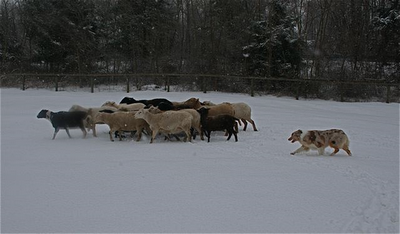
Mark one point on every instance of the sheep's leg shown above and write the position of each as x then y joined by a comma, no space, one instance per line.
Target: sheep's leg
111,135
139,133
188,135
229,135
84,131
235,134
254,124
153,136
245,124
176,137
201,134
55,132
205,133
208,135
193,133
66,129
133,134
94,130
120,135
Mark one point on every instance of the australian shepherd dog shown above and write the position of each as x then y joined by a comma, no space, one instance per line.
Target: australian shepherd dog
319,140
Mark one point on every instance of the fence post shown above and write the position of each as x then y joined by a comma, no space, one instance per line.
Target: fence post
388,94
127,84
341,88
168,84
138,86
204,84
23,82
91,84
252,87
56,81
298,90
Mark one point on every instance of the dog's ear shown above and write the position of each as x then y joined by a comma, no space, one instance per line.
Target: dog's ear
300,131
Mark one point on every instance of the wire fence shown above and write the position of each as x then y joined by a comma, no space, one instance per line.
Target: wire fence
333,89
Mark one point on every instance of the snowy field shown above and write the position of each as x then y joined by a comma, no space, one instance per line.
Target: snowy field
253,185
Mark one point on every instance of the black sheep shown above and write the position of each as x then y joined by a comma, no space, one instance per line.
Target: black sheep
65,120
157,101
164,106
154,102
217,123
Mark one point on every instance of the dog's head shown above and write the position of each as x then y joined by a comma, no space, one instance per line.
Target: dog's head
295,136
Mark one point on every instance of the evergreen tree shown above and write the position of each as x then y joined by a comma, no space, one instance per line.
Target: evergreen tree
276,49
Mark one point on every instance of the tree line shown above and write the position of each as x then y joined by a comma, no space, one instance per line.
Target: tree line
333,39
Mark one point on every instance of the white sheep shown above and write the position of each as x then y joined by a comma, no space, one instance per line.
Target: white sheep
169,122
196,124
241,111
195,119
123,121
124,106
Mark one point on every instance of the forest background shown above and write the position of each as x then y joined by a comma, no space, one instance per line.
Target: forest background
352,40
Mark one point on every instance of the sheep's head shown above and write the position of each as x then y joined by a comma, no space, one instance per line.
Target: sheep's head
203,111
109,103
88,122
141,113
43,114
127,100
154,110
207,103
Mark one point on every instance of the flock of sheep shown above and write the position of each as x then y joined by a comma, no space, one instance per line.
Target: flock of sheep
155,116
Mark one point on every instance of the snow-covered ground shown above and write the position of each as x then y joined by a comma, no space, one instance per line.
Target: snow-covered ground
253,185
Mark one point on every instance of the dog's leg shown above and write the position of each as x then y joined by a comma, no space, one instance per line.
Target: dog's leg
55,132
345,148
66,129
334,152
301,149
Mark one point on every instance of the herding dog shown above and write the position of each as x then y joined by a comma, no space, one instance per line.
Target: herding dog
319,140
65,120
